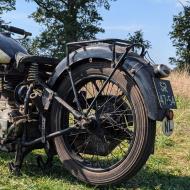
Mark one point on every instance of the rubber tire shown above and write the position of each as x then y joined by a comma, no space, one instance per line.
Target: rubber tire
145,129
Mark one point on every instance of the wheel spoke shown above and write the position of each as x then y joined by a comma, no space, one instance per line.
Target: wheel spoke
108,142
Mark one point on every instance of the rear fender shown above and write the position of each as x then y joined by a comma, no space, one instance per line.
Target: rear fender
76,57
141,72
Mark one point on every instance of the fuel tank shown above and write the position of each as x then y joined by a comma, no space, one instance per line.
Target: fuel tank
9,48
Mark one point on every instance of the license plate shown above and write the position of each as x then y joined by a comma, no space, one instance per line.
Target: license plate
165,94
167,127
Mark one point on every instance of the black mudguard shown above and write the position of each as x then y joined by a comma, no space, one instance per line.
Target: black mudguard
134,65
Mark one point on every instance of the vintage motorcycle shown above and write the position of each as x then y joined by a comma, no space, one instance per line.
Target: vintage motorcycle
97,108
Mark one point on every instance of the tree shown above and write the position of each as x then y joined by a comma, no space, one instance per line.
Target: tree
30,45
180,36
138,38
65,21
6,5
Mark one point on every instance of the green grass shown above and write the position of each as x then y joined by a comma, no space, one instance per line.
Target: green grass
168,168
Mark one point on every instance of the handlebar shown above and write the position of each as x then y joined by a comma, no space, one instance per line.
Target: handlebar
16,30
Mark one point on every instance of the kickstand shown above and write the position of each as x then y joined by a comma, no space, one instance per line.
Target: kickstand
15,167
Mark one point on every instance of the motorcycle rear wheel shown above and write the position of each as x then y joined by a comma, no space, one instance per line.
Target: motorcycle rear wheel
139,145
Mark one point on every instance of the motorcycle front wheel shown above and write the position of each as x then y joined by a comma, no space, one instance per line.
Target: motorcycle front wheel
120,137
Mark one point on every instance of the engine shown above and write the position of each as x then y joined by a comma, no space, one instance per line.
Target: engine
10,111
13,88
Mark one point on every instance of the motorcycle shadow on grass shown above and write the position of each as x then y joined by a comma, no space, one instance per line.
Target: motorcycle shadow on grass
147,178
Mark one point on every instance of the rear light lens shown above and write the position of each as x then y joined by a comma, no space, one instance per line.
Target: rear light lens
162,71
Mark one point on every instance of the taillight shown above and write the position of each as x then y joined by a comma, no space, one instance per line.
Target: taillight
162,71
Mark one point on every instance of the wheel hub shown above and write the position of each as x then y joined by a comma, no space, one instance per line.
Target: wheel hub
93,126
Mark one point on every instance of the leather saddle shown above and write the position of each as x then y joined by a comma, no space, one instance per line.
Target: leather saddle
22,58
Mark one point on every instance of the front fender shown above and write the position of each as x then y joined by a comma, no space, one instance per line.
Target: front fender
134,65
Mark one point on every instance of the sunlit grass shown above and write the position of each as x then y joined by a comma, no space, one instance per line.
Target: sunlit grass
167,169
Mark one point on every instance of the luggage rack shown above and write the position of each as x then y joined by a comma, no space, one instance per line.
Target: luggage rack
117,63
114,42
109,41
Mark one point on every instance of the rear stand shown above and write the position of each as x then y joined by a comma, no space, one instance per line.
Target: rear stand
21,153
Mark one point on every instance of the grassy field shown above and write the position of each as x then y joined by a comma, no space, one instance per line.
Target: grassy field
168,168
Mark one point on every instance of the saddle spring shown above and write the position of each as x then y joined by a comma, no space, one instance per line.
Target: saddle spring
33,73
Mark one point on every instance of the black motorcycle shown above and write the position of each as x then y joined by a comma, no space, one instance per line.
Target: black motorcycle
97,108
